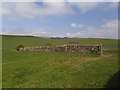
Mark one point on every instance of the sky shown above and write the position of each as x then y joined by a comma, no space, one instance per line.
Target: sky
61,19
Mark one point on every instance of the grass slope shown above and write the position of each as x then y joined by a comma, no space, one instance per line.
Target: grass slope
58,69
10,42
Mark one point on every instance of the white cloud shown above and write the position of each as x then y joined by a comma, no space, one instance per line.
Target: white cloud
29,10
110,25
21,31
85,6
92,0
20,0
61,1
39,32
33,32
108,30
17,31
113,4
16,11
88,6
73,25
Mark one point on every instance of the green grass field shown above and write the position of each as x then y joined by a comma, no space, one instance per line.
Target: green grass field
58,69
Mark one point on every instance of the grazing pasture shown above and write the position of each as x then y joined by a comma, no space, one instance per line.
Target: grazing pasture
58,69
29,41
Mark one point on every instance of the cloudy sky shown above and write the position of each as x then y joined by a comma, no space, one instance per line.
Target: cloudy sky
60,19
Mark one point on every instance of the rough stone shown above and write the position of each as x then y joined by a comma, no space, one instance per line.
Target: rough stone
66,48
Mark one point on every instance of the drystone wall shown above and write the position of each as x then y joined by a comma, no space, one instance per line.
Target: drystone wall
67,48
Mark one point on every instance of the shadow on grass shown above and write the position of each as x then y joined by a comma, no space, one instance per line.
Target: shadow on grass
114,81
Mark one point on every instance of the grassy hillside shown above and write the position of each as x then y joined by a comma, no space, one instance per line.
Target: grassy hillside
58,69
10,42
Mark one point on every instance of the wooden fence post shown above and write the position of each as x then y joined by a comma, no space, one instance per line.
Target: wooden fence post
100,49
73,49
24,49
47,48
32,49
65,48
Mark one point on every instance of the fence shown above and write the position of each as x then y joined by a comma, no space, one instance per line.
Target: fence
67,48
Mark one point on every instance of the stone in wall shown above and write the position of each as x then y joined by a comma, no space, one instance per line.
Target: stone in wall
66,48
